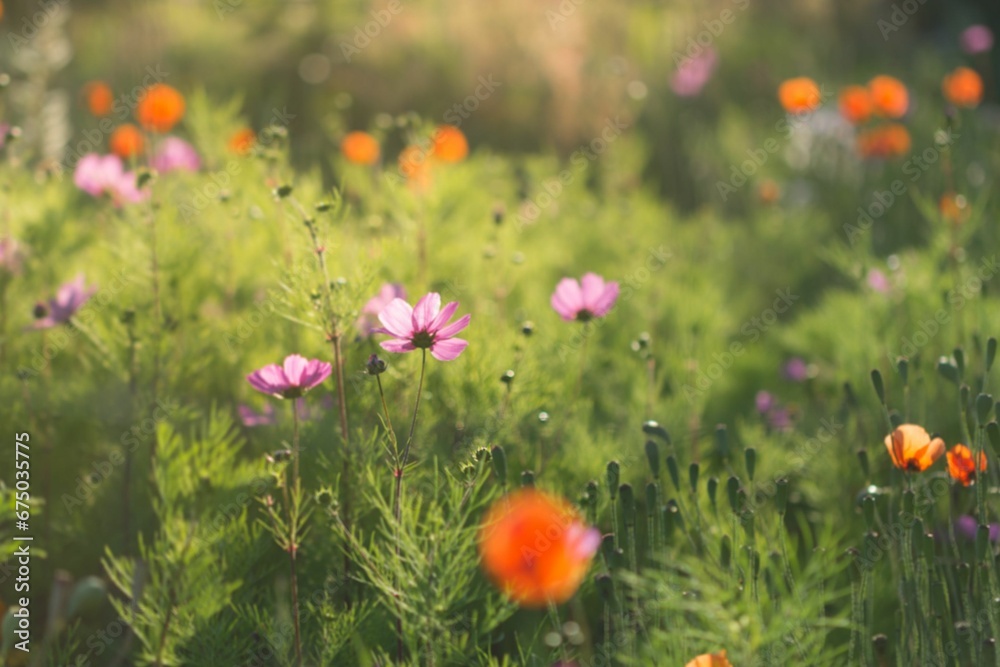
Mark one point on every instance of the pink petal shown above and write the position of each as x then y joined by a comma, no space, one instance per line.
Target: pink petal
446,350
592,286
567,300
397,345
316,372
447,332
425,311
603,304
269,379
443,317
397,319
294,367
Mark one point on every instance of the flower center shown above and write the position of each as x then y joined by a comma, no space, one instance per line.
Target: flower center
422,339
584,315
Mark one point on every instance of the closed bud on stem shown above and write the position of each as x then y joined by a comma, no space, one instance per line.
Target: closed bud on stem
653,456
903,366
674,472
613,477
732,490
653,428
713,489
750,456
722,440
693,471
947,369
879,387
527,478
781,495
628,503
959,355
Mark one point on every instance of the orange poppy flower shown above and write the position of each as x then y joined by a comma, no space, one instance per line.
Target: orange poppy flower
449,144
711,660
242,141
889,96
911,448
360,148
126,141
799,95
954,208
962,466
536,548
160,108
963,88
886,141
100,99
855,104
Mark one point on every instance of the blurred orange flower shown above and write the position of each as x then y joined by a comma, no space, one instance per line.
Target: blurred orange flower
768,191
962,466
449,144
954,208
360,148
414,164
100,99
855,104
160,108
711,660
536,548
911,448
889,96
886,141
126,141
242,141
963,87
799,95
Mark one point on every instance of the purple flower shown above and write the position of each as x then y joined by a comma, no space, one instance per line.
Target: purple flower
976,39
779,419
585,299
423,326
368,319
99,175
292,379
175,153
250,418
693,73
796,370
878,281
966,527
11,256
764,402
70,297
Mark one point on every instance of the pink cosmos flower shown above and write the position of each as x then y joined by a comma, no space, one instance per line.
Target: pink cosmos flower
368,320
251,418
585,299
294,378
692,74
976,39
764,401
99,175
878,281
175,153
796,370
69,299
423,326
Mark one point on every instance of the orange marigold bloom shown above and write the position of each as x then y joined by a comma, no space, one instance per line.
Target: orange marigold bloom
889,96
911,448
963,87
160,108
711,660
100,99
886,141
242,141
536,548
954,208
126,141
962,466
360,148
855,104
799,95
449,144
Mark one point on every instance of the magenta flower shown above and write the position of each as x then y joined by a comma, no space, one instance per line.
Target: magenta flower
693,73
764,401
368,319
175,153
976,39
69,299
584,300
292,379
423,327
251,418
878,281
796,370
99,175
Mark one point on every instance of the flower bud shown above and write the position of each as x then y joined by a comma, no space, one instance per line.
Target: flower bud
672,469
613,476
375,365
653,428
628,503
750,456
732,490
694,470
879,386
653,456
527,478
499,460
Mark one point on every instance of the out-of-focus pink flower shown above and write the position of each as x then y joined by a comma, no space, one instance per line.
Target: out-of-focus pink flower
878,281
764,401
251,419
796,370
779,419
976,39
99,175
368,319
69,299
292,379
693,73
585,299
175,153
312,412
423,326
11,256
967,526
